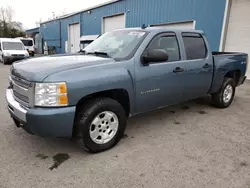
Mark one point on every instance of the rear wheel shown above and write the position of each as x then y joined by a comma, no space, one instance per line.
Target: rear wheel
225,96
100,124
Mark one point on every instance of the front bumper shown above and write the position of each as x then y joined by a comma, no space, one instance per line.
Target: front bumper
45,122
12,59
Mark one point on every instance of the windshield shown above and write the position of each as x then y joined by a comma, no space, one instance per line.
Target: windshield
27,42
13,46
117,44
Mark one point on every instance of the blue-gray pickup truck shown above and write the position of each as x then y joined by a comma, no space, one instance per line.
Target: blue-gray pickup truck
89,95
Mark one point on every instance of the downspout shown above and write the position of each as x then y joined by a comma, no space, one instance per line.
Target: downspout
225,24
60,36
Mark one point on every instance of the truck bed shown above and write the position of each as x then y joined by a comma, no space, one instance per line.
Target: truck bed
224,62
227,53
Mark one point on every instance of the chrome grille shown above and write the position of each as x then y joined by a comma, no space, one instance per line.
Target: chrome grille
17,55
21,90
21,97
20,82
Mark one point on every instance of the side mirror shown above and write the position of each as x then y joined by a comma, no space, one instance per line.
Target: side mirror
156,55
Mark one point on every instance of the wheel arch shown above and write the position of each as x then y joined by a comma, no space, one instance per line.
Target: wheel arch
235,75
120,95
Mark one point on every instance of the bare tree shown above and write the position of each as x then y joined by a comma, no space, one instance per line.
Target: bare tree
8,27
16,25
6,14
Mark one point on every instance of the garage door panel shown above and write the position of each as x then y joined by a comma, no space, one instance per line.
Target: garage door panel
113,22
238,32
77,37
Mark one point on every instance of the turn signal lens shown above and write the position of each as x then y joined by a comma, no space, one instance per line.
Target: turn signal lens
63,100
63,88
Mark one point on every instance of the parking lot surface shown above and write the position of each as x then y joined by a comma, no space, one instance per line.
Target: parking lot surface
191,145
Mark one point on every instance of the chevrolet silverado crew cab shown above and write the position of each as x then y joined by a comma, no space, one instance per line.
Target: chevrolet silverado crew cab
89,95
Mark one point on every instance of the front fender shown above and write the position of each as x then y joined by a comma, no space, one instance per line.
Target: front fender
83,82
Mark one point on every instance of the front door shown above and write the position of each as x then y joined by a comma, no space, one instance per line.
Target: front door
160,84
199,66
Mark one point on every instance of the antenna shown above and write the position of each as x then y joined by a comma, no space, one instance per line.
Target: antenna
143,26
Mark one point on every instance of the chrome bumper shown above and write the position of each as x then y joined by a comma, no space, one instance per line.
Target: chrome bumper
14,107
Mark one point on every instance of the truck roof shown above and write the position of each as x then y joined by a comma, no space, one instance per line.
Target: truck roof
9,40
162,29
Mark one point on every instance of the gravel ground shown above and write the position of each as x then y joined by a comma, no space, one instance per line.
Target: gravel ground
190,145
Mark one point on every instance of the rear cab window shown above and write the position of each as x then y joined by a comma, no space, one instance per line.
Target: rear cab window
195,46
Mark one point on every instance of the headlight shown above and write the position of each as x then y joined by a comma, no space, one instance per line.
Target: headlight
51,94
7,54
26,54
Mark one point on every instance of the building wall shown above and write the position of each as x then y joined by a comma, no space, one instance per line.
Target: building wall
31,31
208,14
50,32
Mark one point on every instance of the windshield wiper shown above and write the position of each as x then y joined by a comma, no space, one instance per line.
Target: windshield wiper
100,53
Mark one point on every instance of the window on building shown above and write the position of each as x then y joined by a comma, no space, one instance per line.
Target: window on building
168,43
194,45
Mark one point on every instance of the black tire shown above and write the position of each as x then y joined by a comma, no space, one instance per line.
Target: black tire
3,61
217,98
86,114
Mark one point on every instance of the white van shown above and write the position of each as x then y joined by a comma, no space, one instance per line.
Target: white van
29,44
12,50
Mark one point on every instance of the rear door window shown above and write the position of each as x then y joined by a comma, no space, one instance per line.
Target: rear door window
195,46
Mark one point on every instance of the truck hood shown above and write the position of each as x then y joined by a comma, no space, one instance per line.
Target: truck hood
37,69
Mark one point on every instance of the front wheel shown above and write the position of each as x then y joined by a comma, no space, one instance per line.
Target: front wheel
100,124
225,96
3,60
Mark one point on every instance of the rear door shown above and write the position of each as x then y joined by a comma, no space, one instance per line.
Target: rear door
199,66
160,83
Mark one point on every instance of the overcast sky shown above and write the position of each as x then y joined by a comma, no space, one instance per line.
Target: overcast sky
30,11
